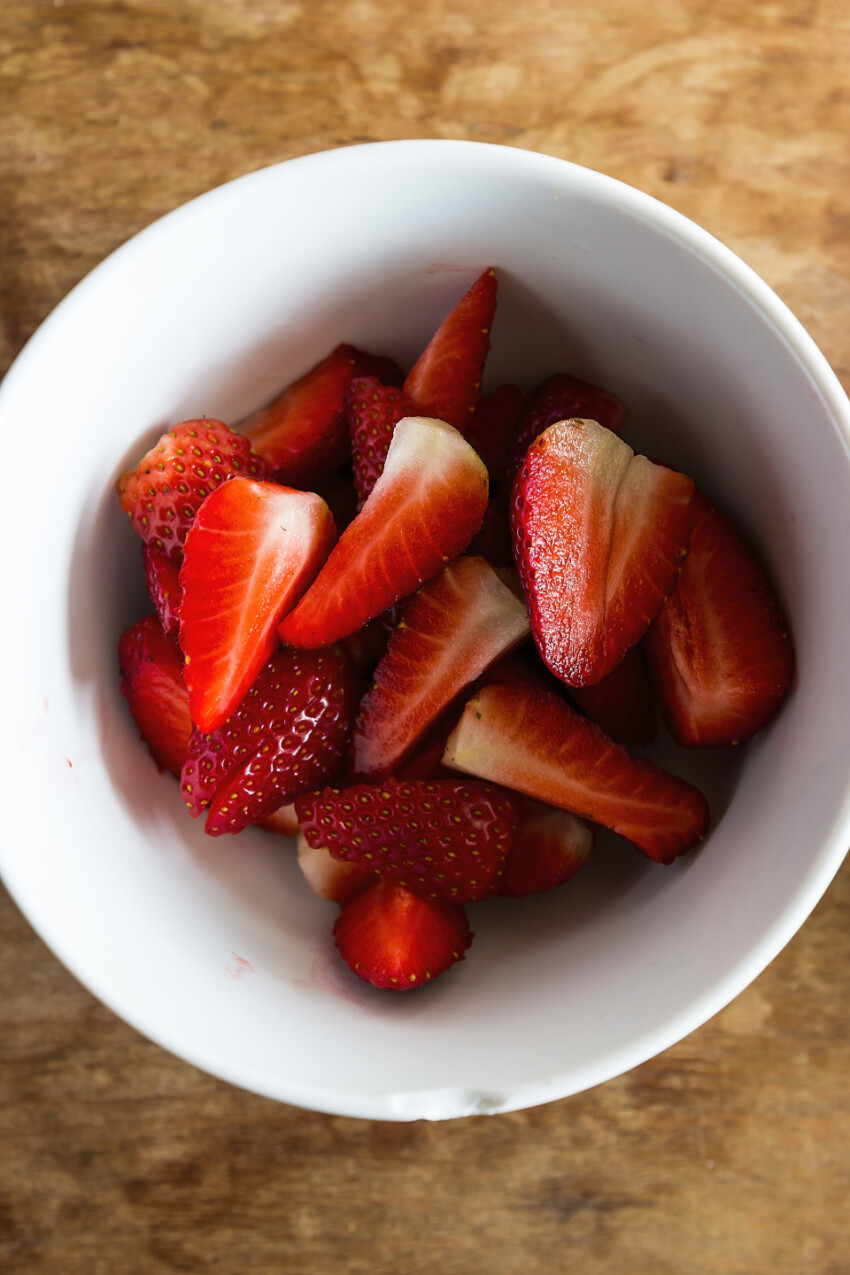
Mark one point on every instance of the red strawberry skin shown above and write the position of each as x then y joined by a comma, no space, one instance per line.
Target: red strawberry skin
493,428
445,381
395,940
373,410
164,492
302,433
288,735
253,550
384,369
444,839
599,537
622,702
562,398
720,650
454,628
550,847
532,741
422,512
152,680
162,579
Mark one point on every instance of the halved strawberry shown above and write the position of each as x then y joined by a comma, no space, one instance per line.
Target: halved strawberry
288,735
454,628
447,839
164,492
621,702
493,428
720,650
562,398
251,553
422,512
394,939
329,877
381,366
163,585
550,847
445,381
372,411
152,680
531,740
302,433
599,537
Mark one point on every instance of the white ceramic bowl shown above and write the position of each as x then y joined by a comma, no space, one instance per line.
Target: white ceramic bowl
215,948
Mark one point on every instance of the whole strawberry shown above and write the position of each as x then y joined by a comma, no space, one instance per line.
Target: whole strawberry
442,839
288,735
164,492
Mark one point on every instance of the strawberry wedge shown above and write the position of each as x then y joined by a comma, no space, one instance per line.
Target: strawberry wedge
562,398
550,847
532,741
453,629
373,410
445,381
422,512
251,552
152,681
622,702
302,434
599,536
720,651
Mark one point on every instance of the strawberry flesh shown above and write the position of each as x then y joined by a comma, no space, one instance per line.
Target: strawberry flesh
394,939
720,651
622,702
288,735
164,492
253,550
445,381
330,878
550,847
302,433
152,680
562,398
373,410
454,628
599,537
421,513
445,839
530,740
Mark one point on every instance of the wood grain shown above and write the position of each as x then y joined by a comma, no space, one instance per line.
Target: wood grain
729,1153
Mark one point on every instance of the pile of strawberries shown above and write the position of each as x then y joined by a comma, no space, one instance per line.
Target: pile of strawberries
419,627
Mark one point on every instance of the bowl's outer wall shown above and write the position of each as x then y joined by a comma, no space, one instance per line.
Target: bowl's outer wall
215,948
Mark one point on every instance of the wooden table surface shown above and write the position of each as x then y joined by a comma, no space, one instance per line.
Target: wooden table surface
731,1151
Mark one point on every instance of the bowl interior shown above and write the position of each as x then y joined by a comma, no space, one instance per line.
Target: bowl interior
215,947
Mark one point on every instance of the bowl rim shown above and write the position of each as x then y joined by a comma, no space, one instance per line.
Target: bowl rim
507,161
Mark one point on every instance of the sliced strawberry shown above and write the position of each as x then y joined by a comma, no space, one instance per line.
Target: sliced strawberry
422,512
493,540
152,680
447,839
445,381
283,821
531,740
494,425
550,847
720,650
385,369
599,536
372,411
328,877
251,553
164,492
302,433
562,398
288,735
393,939
621,702
163,585
455,627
